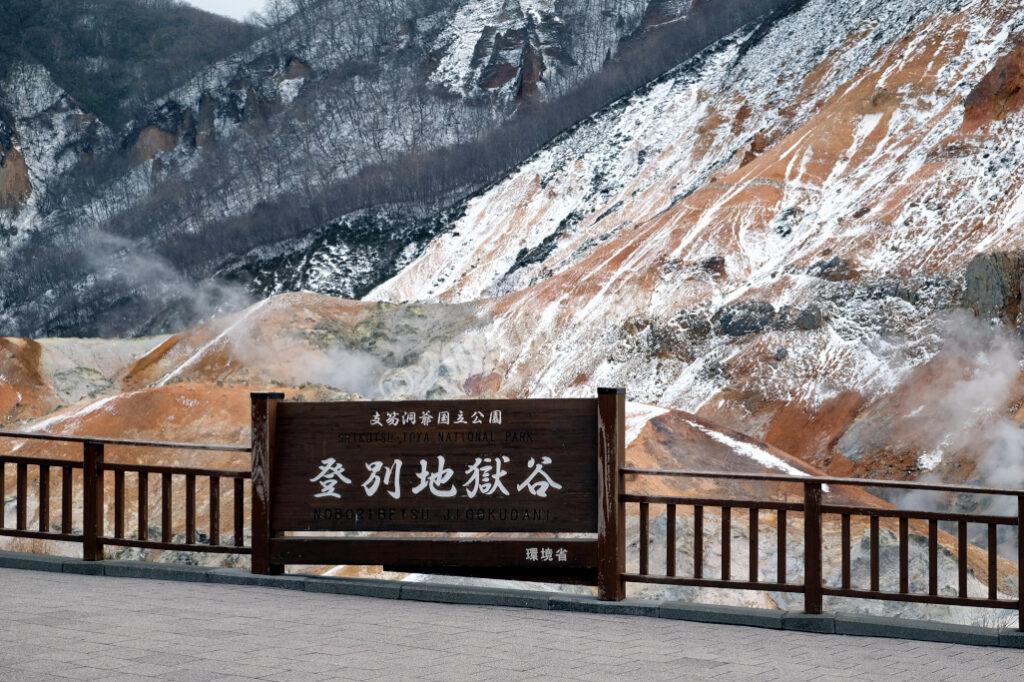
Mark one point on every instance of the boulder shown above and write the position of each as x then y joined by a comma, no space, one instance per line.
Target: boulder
745,317
892,288
834,270
786,220
785,318
992,286
715,266
810,318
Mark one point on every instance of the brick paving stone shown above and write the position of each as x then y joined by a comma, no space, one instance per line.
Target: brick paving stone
56,625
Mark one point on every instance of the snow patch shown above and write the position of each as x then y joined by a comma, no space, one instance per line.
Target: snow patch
637,416
198,355
750,451
289,89
73,418
930,460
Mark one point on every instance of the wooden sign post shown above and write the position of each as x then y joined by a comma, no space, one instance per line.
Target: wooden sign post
611,538
264,419
392,476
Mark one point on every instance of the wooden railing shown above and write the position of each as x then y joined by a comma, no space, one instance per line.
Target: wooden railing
91,486
96,519
814,514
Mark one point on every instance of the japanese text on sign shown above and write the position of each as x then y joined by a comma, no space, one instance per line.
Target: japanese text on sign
428,417
484,477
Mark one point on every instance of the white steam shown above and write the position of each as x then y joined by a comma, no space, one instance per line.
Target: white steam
975,409
128,266
966,406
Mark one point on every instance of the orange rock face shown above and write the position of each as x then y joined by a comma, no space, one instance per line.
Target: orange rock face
297,68
24,392
152,141
481,385
15,185
1000,93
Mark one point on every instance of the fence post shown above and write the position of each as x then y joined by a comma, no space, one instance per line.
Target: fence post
92,500
264,420
1020,563
611,537
812,547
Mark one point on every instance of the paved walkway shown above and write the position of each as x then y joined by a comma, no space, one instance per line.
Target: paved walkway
55,625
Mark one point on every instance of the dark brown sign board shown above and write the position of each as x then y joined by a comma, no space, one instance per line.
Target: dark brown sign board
488,467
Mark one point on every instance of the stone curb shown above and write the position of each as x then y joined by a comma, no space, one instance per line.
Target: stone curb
840,623
465,594
824,623
582,604
722,615
901,628
354,587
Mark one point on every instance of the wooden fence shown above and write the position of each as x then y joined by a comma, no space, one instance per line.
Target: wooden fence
96,526
814,512
97,519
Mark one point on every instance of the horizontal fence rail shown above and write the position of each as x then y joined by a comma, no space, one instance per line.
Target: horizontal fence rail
86,482
54,438
813,513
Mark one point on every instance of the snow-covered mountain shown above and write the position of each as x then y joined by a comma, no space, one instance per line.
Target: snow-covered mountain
778,235
71,75
342,122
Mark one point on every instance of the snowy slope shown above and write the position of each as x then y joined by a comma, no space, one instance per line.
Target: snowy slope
770,233
50,135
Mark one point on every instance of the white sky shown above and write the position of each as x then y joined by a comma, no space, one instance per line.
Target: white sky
239,9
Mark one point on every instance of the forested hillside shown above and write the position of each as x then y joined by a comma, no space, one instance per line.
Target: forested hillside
115,56
351,122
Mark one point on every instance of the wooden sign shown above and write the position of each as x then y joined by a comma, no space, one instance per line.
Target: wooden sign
459,466
502,467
